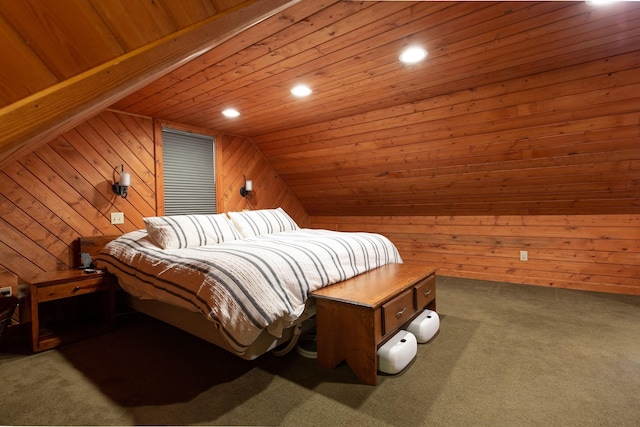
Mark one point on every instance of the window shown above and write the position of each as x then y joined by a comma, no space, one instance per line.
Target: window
189,173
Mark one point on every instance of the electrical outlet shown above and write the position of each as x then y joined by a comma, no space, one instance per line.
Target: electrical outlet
524,256
6,291
117,217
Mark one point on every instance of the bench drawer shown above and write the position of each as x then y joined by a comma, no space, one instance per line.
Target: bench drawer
425,292
397,311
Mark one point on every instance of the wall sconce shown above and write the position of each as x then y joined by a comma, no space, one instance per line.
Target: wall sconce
247,189
121,187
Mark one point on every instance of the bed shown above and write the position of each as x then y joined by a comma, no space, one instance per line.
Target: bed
239,280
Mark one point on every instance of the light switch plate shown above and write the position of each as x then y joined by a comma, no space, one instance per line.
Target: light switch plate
117,217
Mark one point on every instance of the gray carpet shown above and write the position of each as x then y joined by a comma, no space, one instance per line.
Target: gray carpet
506,355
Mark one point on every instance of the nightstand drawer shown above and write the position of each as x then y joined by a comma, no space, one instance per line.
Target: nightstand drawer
425,292
78,287
68,305
397,311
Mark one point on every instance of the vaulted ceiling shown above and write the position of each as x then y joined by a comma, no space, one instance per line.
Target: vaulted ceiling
463,128
67,60
347,52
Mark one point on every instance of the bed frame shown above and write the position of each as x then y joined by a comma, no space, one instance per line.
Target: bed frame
195,323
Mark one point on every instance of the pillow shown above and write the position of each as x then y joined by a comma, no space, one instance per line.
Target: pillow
264,221
187,231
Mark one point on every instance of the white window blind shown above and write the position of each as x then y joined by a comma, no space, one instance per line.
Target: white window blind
189,173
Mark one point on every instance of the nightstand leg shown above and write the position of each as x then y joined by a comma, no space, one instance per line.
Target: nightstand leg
35,321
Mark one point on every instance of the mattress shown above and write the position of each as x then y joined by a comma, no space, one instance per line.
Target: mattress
248,285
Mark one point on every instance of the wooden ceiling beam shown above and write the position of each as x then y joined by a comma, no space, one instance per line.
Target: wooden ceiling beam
33,121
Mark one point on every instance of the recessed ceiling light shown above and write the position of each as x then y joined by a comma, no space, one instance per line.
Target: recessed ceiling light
231,112
301,91
601,2
412,55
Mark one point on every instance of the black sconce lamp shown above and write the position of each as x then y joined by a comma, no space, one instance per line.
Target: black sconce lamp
246,190
121,187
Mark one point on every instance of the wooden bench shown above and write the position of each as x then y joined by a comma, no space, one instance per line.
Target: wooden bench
356,316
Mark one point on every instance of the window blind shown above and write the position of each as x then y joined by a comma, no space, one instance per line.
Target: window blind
189,173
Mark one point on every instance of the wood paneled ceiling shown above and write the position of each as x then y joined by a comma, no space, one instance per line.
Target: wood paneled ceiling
65,61
347,52
47,42
377,136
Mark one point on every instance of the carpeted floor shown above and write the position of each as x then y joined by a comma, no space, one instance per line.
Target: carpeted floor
506,355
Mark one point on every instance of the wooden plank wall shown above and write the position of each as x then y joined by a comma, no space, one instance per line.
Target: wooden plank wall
563,142
588,252
241,158
62,190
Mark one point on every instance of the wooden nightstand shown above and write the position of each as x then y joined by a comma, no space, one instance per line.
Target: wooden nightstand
356,316
65,306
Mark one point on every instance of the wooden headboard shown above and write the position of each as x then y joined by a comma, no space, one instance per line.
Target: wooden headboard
93,245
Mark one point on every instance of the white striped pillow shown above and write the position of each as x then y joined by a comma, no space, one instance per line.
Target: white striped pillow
187,231
263,221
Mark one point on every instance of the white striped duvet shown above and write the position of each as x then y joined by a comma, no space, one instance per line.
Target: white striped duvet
247,285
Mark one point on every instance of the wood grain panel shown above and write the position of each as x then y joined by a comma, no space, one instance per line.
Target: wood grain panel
44,43
588,252
173,93
62,191
563,143
241,158
49,113
127,26
350,58
23,73
73,25
362,68
185,12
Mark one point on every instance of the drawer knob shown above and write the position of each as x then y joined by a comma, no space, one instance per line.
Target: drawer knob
76,289
427,292
401,312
